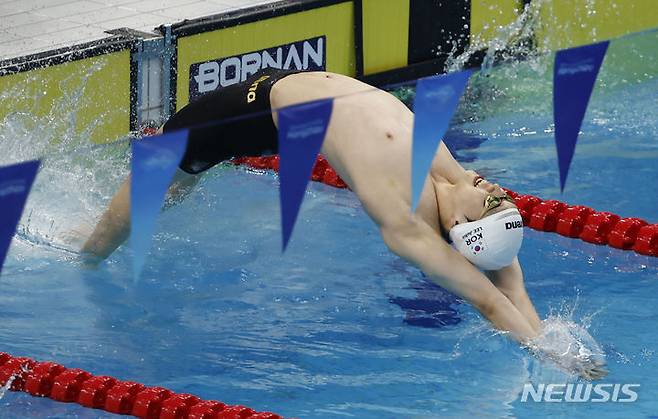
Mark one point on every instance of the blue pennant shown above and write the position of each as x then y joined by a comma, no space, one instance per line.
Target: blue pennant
301,132
574,76
154,163
436,101
15,184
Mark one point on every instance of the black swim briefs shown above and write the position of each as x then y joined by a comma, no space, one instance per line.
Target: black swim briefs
235,121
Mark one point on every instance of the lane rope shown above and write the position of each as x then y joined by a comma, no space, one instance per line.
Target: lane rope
48,379
73,385
575,221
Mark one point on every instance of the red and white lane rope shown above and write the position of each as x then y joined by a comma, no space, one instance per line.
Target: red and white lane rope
72,385
574,221
48,379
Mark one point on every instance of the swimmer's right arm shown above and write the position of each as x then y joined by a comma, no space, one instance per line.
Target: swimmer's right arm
411,238
415,241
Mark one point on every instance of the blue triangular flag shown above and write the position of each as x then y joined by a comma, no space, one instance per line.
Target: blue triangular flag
436,101
15,184
574,76
301,132
154,163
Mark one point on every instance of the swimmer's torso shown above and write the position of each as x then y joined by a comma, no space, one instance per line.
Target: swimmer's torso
368,140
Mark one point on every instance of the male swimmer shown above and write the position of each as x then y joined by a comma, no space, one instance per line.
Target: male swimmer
368,143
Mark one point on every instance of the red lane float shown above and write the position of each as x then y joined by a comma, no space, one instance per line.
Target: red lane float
322,172
574,221
48,379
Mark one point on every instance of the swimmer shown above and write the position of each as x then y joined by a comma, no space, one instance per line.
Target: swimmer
368,143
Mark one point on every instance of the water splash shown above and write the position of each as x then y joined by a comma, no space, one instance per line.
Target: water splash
76,177
567,344
7,386
516,71
509,42
11,379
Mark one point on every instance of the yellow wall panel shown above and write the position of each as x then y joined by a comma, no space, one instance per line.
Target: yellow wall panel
336,22
487,16
385,35
566,23
90,96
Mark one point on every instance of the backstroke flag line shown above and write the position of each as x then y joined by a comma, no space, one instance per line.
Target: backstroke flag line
301,132
436,101
574,76
15,184
154,163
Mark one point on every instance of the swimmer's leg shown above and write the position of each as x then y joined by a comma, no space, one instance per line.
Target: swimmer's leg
112,229
181,185
114,226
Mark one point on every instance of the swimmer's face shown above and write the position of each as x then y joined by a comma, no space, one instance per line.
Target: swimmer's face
467,201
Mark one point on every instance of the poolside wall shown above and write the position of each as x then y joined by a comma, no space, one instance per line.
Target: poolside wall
88,84
380,41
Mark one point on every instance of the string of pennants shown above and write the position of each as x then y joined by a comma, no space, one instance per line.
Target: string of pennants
552,216
302,129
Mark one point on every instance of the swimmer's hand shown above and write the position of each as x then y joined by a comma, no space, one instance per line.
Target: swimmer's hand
591,369
586,366
569,347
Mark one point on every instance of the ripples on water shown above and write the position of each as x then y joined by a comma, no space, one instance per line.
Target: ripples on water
332,329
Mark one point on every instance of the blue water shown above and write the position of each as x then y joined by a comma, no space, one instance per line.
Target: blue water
338,326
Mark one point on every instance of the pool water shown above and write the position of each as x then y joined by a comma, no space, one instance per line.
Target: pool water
339,326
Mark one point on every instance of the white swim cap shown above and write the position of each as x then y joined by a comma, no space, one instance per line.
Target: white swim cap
492,242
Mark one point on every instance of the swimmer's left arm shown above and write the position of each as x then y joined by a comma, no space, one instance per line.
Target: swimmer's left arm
509,280
446,166
419,244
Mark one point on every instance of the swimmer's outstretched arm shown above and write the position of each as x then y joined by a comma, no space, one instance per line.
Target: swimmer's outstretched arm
415,241
509,281
114,226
